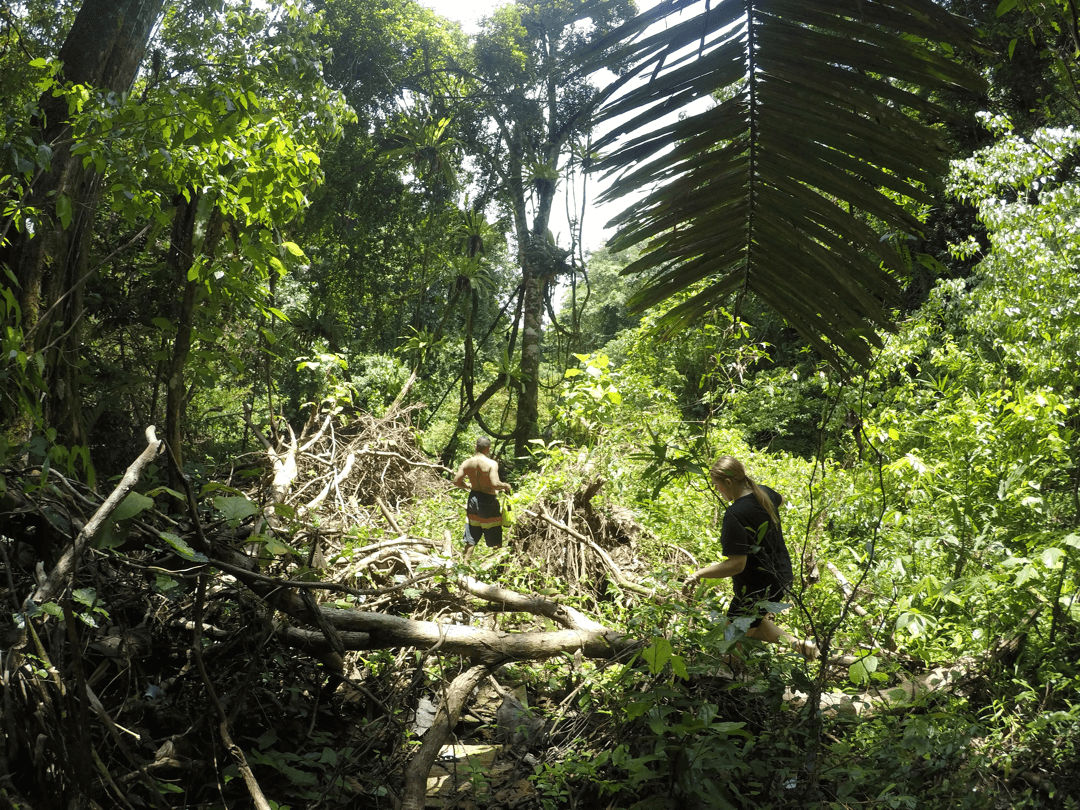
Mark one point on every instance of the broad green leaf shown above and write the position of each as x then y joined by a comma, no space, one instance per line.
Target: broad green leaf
1051,557
133,504
235,508
85,596
678,666
165,584
860,671
181,547
657,654
277,547
153,493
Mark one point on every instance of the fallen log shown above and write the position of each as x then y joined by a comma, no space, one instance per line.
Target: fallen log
362,630
537,605
476,644
902,694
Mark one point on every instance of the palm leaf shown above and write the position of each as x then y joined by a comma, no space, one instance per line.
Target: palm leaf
783,188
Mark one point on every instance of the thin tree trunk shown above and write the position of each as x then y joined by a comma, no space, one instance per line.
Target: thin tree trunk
180,260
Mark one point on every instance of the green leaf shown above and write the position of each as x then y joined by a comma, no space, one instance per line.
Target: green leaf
63,210
657,654
165,584
1051,557
729,727
181,547
678,666
1004,7
294,249
85,596
860,671
235,508
153,493
277,547
133,504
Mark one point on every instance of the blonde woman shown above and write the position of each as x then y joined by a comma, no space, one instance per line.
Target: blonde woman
757,559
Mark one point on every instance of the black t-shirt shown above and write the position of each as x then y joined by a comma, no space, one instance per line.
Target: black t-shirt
747,530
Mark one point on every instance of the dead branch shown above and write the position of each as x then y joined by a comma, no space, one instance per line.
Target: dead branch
284,464
907,691
388,515
65,568
537,605
845,586
482,646
258,799
416,772
332,484
409,461
317,435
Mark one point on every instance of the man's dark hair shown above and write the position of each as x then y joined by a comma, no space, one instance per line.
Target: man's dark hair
483,444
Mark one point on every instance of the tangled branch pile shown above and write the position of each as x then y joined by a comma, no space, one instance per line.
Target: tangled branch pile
149,664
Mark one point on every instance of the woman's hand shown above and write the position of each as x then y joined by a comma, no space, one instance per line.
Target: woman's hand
690,585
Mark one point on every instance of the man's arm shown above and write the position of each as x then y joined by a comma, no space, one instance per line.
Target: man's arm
496,484
459,479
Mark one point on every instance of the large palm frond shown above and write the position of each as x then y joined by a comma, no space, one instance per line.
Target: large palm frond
785,186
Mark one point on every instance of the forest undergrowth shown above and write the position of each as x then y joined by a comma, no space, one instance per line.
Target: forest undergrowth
301,631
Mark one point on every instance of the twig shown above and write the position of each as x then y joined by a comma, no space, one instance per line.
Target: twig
620,577
845,586
410,462
388,515
331,484
257,797
253,576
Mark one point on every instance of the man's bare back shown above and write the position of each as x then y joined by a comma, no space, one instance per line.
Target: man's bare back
483,474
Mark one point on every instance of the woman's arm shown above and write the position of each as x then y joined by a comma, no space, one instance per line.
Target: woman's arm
728,568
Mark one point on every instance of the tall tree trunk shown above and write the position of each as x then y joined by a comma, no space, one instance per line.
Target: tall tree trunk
181,256
531,334
103,50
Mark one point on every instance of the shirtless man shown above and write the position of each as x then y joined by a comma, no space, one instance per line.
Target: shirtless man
483,511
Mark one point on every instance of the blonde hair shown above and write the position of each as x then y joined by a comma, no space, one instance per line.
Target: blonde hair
729,468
